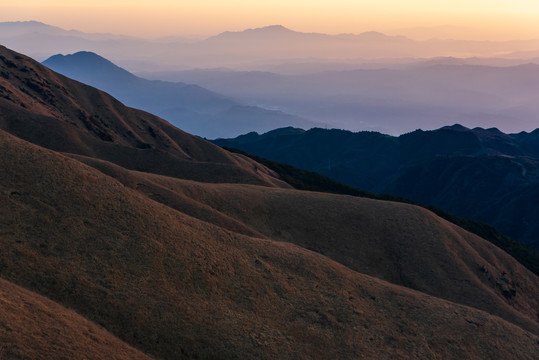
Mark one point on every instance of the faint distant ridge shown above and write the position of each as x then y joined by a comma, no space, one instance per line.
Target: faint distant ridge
271,29
15,28
25,28
278,31
190,107
482,174
256,48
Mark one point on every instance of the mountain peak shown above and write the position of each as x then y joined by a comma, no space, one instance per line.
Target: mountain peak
266,30
81,56
272,28
455,127
92,64
373,34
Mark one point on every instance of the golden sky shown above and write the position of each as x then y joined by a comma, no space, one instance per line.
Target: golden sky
492,19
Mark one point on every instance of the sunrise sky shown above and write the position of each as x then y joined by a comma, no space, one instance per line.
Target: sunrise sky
487,19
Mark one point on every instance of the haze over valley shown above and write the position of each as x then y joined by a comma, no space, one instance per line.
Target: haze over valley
353,82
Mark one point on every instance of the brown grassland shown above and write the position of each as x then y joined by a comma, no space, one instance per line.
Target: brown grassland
116,237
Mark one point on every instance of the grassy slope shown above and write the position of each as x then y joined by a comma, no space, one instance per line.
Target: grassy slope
177,287
394,242
48,109
34,327
307,180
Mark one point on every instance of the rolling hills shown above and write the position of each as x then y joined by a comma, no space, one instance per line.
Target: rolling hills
53,111
481,174
183,250
34,327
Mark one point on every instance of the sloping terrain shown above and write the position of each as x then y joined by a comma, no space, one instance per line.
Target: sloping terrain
195,266
481,174
34,327
430,255
311,181
174,286
53,111
189,107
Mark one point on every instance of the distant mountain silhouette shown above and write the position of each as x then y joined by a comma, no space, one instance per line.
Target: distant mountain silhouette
482,174
388,98
25,28
190,107
259,48
279,32
50,110
272,30
178,248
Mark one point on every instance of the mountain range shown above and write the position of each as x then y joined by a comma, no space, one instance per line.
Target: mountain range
190,107
394,100
286,78
380,100
125,237
478,173
260,48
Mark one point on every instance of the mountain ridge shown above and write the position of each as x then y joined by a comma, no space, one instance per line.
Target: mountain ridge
46,108
190,107
443,168
259,258
138,54
210,263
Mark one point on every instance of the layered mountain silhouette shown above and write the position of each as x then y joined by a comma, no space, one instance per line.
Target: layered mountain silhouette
165,246
478,173
354,82
194,109
259,48
388,98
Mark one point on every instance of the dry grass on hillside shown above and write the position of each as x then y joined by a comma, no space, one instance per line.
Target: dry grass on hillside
400,243
174,286
181,269
33,327
48,109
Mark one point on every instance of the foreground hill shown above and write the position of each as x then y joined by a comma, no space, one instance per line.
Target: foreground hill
34,327
175,286
394,242
191,107
481,174
187,269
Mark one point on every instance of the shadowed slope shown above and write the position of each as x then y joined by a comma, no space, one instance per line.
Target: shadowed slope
53,111
400,243
310,181
180,288
166,282
33,327
482,174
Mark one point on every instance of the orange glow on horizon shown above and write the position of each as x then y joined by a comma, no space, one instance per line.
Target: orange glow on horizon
493,20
